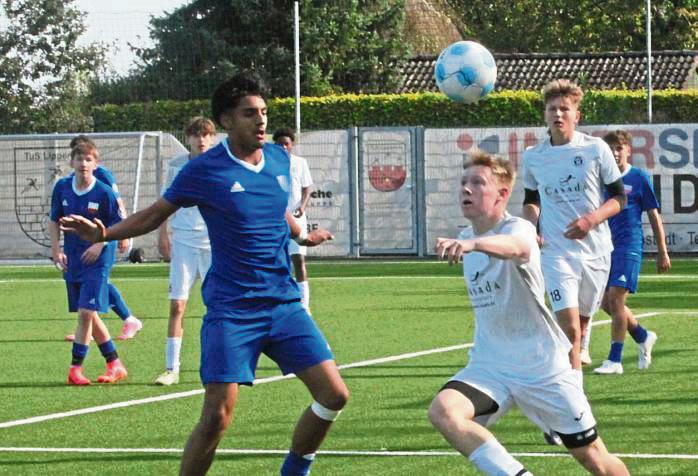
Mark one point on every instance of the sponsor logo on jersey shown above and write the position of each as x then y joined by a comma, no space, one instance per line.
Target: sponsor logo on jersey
65,202
628,188
92,207
237,187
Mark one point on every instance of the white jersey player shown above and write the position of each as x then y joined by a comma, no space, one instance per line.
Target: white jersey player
188,249
301,181
520,355
564,181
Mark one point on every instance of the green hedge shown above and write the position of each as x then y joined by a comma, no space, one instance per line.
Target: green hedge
507,108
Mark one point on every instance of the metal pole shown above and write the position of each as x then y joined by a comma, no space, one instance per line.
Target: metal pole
297,55
649,62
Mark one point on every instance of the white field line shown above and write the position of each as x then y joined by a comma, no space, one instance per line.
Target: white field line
191,393
56,280
385,453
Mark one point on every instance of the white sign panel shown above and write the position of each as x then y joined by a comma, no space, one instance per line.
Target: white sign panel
668,152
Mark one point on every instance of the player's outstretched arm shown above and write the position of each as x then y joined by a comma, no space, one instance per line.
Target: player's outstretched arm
137,224
302,237
498,246
663,261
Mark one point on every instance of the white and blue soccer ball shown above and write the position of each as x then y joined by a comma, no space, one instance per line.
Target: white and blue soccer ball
465,71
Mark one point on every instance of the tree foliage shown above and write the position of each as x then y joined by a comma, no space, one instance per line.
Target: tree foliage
346,46
43,72
536,26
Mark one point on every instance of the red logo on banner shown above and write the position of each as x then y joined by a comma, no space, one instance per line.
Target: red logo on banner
386,178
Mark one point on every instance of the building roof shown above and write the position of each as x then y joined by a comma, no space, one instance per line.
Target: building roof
531,71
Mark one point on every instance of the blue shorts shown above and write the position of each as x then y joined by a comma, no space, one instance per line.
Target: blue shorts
625,271
230,347
92,294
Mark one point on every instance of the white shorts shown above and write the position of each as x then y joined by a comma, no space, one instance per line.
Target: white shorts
555,403
293,247
187,262
576,283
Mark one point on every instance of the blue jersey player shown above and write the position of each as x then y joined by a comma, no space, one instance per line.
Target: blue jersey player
241,187
86,265
116,302
626,259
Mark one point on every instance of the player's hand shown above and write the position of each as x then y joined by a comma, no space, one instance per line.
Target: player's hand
663,263
453,250
124,245
92,253
60,261
164,248
87,230
317,237
579,228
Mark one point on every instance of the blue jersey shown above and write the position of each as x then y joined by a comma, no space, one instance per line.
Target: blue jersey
97,201
244,207
626,227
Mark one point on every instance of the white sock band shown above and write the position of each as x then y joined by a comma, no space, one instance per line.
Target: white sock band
324,413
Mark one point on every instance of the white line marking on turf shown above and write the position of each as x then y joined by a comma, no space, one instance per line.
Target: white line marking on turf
254,451
191,393
56,280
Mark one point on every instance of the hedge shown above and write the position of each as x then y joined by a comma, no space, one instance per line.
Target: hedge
506,108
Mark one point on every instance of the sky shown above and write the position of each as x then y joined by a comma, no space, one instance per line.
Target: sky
122,22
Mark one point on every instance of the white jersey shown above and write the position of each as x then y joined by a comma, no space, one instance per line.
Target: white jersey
570,179
187,224
300,179
515,333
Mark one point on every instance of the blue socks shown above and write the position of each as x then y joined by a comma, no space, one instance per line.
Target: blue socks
79,353
616,351
295,465
639,334
117,304
108,350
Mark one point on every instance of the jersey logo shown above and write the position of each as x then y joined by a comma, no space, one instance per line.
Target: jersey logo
565,181
628,188
92,301
283,182
65,202
92,207
237,187
579,160
622,278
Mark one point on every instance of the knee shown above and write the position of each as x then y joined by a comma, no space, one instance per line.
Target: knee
439,415
214,422
337,400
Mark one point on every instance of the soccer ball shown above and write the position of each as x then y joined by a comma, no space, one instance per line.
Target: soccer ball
465,71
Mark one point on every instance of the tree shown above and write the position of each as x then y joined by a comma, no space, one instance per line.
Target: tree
346,46
43,72
529,26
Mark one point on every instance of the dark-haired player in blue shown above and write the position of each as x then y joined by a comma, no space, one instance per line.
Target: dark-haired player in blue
116,302
86,265
626,258
241,187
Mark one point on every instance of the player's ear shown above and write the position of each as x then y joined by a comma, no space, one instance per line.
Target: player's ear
578,116
226,120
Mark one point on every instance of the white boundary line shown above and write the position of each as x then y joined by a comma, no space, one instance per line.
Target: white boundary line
57,279
191,393
255,451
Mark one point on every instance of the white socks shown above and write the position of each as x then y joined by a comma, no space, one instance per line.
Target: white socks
493,459
305,294
174,348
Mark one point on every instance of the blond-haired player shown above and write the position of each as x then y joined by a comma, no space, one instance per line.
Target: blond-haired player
520,354
564,179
